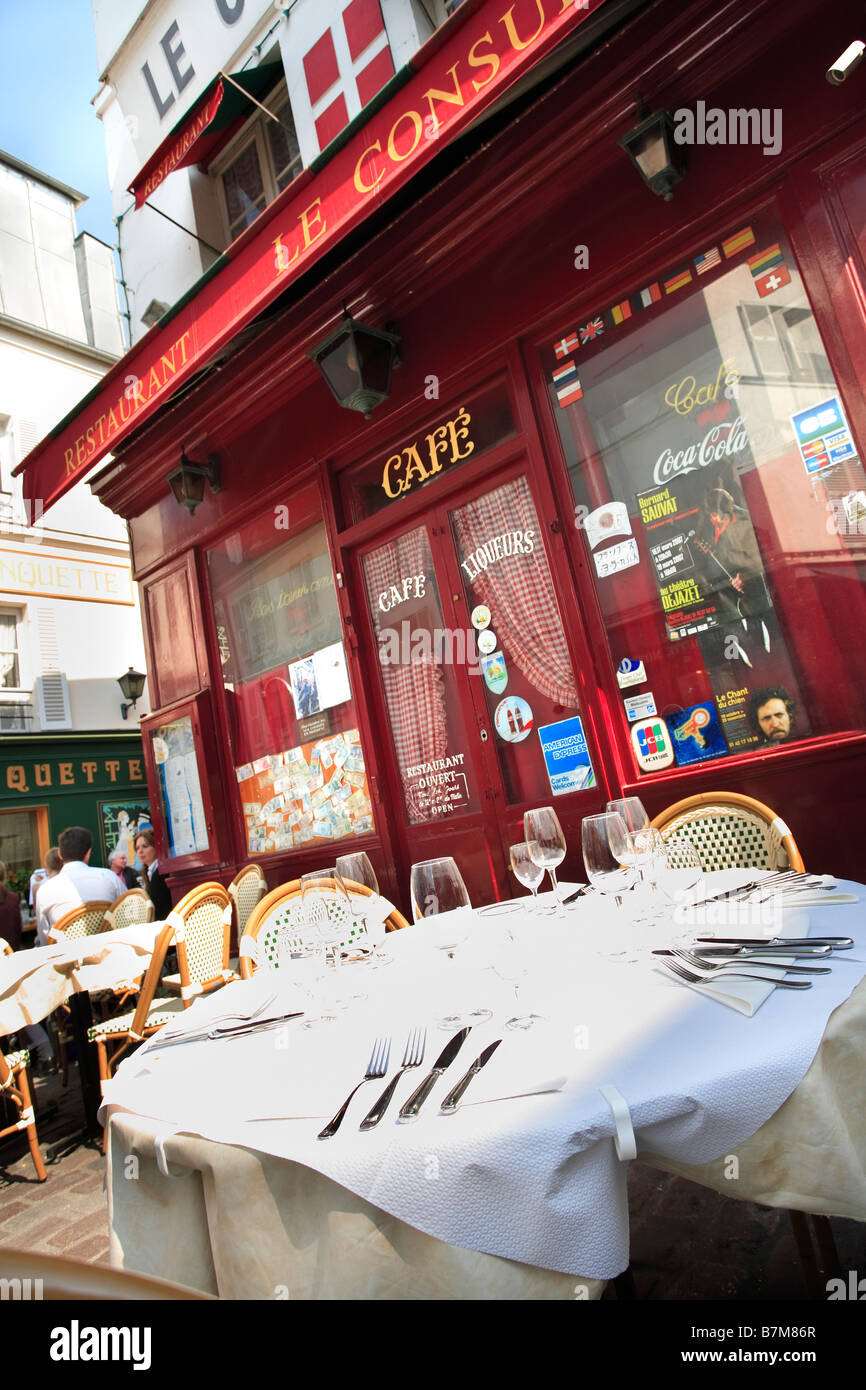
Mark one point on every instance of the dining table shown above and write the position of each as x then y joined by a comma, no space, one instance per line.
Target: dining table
520,1189
35,982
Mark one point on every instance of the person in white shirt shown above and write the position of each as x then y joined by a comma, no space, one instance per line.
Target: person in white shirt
76,883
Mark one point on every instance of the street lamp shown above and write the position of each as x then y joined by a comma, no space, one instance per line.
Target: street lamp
356,362
131,685
187,482
651,147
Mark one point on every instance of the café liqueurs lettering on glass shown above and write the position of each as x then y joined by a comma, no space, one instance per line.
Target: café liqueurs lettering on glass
421,461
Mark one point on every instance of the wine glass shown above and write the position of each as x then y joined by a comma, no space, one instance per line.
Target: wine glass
633,812
605,853
359,889
527,872
509,966
439,893
322,933
545,842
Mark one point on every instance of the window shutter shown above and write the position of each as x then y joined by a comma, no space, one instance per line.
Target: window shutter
52,693
52,690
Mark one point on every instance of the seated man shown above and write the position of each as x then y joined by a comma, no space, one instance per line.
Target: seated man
76,883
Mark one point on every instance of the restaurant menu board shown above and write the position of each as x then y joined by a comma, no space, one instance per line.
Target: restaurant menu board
312,793
177,769
704,551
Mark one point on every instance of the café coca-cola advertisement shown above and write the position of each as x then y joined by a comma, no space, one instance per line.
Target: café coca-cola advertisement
701,541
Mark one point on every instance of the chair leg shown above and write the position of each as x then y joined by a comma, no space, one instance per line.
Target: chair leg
827,1251
32,1136
803,1240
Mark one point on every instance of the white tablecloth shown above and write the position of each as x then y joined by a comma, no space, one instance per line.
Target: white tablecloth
34,983
534,1179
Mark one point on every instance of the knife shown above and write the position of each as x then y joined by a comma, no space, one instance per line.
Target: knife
410,1110
744,952
573,897
453,1098
214,1034
838,943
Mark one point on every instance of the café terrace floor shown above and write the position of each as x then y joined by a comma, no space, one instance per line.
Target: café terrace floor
686,1241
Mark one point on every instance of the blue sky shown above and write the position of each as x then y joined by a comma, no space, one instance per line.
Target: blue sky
48,75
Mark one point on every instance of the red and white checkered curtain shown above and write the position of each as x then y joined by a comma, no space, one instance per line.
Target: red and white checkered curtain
415,692
518,589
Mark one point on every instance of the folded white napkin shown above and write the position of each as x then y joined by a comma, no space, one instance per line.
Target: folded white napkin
255,1000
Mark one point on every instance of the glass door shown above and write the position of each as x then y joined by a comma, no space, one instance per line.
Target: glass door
477,690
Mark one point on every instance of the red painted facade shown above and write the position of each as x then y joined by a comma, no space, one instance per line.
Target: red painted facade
478,274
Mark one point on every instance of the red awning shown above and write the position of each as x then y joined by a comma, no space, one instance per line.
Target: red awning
224,103
456,76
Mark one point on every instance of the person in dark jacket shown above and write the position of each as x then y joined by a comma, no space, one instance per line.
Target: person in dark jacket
151,879
10,912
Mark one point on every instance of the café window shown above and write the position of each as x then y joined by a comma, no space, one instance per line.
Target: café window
720,504
260,164
23,841
296,747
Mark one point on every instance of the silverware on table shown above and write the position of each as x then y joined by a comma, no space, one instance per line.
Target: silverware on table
699,963
779,882
837,943
413,1056
691,978
377,1067
217,1033
744,952
409,1111
573,897
453,1098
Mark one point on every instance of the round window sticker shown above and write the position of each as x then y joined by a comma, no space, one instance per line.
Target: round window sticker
486,642
513,719
160,750
481,617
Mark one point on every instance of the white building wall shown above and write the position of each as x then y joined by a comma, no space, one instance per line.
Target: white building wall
59,284
184,44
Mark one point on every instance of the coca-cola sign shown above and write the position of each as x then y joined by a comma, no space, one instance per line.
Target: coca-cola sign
720,443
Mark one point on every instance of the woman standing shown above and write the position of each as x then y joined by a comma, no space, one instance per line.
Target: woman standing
151,879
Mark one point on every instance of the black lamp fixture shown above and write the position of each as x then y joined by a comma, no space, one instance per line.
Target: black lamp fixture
131,685
357,362
187,482
652,149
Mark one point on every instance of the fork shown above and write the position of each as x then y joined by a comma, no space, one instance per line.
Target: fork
377,1067
692,979
698,962
413,1056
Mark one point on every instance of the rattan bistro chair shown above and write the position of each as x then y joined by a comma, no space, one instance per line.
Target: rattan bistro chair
279,915
730,831
59,1277
148,1016
246,891
15,1087
129,910
202,923
85,920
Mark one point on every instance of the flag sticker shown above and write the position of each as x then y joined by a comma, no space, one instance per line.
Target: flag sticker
678,280
708,261
765,260
738,242
772,281
620,312
593,329
572,391
566,346
566,373
651,295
